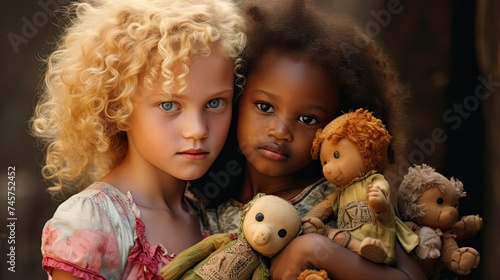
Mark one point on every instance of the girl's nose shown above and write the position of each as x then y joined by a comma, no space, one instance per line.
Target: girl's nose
195,125
279,129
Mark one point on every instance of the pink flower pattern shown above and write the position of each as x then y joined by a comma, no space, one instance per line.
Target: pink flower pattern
86,237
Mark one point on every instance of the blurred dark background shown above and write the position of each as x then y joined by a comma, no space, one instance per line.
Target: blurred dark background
448,53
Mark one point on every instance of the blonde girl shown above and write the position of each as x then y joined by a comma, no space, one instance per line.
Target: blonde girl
136,102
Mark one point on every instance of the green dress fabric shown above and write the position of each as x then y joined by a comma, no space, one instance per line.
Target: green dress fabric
353,214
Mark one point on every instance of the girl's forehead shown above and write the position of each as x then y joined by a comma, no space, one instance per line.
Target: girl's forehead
282,75
273,55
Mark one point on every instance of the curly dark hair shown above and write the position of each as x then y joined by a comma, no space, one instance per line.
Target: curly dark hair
357,64
355,61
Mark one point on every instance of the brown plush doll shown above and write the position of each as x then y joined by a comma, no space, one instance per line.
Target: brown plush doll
429,202
268,224
353,150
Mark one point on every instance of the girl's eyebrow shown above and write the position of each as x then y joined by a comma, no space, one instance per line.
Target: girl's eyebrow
272,96
182,95
318,107
266,93
211,95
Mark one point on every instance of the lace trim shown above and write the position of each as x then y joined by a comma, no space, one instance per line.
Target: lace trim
49,264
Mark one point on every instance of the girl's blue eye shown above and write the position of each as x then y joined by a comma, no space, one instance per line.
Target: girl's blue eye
265,107
308,119
169,106
215,103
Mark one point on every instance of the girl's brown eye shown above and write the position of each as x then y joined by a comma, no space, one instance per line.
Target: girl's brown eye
336,154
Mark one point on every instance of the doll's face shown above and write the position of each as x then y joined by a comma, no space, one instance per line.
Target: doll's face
440,207
341,161
284,103
270,224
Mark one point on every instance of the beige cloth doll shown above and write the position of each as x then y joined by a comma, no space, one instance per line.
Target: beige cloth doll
268,224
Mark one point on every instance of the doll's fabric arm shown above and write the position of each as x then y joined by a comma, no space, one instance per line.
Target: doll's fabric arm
379,181
468,226
312,222
323,209
193,255
377,193
316,251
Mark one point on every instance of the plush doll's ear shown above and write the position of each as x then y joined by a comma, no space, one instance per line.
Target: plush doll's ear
458,186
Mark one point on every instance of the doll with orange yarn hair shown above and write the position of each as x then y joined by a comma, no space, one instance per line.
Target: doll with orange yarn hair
352,150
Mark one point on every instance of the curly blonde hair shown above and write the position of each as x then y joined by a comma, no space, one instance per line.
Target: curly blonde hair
363,129
108,50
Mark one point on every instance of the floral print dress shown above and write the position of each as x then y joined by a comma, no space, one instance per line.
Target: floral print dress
98,234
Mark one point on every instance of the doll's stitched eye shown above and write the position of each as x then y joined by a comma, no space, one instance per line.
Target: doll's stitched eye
282,233
259,217
439,200
336,154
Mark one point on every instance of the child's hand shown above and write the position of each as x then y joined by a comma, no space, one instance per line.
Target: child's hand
316,251
377,201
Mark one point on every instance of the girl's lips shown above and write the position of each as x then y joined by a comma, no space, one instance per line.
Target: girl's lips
273,152
195,153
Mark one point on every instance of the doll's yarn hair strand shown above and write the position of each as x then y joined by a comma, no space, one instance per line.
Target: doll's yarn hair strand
364,130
